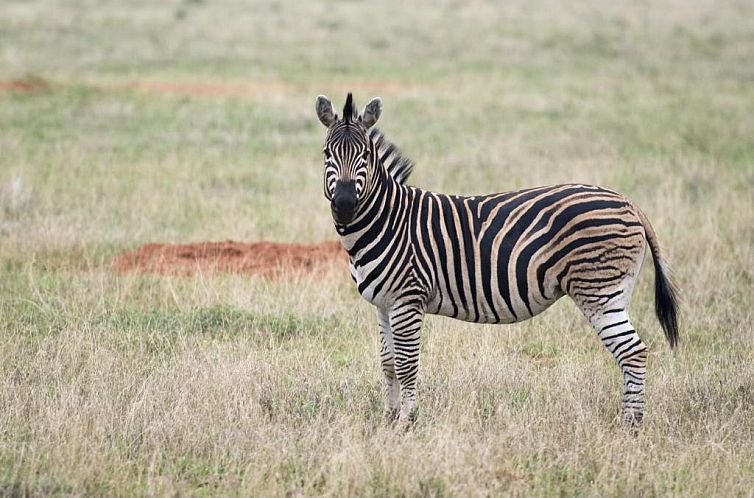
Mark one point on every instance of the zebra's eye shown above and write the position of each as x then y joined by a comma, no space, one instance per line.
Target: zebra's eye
365,155
327,153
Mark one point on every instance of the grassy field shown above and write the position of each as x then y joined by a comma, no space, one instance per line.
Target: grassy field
183,121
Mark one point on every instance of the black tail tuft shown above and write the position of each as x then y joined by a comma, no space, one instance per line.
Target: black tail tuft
666,302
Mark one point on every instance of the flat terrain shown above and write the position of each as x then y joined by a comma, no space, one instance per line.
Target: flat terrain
123,123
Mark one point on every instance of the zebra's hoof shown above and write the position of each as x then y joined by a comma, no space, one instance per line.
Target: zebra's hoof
391,415
633,421
406,419
403,424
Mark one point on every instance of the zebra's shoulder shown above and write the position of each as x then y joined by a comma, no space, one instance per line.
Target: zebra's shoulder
396,164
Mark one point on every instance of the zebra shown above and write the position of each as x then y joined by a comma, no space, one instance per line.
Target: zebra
498,258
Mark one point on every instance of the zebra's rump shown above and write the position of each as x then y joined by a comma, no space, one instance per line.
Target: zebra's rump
506,257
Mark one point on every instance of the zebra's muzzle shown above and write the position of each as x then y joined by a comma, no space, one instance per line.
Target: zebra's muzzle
344,202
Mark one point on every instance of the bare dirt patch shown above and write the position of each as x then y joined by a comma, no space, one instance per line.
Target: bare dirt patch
31,85
268,259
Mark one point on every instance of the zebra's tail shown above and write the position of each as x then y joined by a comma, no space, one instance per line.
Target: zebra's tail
666,292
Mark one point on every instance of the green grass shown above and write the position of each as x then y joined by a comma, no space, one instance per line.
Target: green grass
231,385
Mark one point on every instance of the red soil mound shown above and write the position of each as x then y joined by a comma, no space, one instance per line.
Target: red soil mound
268,259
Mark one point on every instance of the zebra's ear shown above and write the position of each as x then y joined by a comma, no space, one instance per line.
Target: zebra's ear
325,112
372,112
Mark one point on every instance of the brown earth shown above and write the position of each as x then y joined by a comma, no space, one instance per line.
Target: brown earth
32,85
268,259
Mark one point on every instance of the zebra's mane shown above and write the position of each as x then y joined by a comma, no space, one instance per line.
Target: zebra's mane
398,165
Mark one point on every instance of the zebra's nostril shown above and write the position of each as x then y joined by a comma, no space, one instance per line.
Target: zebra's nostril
345,203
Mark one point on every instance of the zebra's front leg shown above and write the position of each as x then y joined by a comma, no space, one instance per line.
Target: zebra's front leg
406,324
387,359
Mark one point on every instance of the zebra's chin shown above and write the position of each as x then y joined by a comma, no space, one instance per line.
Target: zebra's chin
342,219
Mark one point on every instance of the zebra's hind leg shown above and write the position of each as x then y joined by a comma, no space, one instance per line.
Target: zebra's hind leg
616,332
387,358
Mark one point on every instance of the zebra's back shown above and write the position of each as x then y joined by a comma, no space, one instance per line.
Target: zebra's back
506,257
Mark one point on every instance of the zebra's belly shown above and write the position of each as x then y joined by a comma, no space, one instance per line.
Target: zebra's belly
481,311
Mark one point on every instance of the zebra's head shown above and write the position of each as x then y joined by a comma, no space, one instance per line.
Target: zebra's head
349,165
